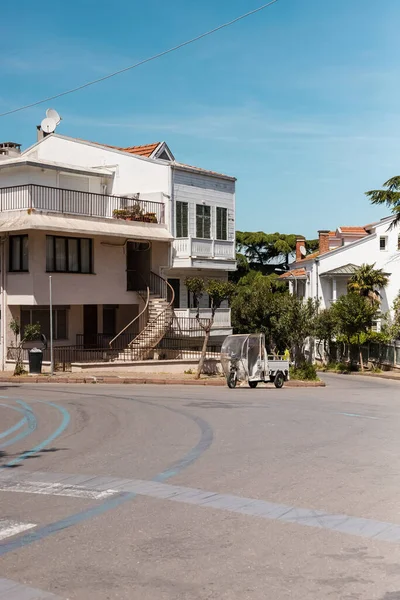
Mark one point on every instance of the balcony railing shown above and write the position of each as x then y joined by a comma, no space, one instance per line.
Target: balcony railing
186,321
196,247
87,204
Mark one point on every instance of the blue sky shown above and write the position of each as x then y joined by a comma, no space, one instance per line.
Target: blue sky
300,102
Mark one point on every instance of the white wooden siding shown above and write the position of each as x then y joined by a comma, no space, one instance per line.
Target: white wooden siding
196,188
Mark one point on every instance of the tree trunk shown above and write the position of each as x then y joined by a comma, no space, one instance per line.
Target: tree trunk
361,358
203,352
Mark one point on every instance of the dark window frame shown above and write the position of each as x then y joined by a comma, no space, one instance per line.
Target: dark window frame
203,218
221,223
182,226
56,324
66,250
385,241
21,253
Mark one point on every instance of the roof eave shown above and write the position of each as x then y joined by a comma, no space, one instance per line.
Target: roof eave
200,171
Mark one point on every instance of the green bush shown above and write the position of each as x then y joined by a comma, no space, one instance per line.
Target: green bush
305,372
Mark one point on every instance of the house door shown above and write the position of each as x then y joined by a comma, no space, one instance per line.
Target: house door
176,285
90,325
138,266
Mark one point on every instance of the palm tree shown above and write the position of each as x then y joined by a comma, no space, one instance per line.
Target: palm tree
390,197
367,281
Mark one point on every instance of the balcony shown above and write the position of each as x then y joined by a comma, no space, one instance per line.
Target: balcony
87,204
186,323
200,248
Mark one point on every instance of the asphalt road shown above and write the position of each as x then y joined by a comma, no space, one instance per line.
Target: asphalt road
192,493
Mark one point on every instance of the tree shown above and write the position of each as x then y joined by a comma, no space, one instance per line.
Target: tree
326,326
390,197
367,281
31,332
355,315
261,248
218,291
262,304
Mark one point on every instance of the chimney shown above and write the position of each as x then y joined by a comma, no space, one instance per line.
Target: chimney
300,243
9,150
323,235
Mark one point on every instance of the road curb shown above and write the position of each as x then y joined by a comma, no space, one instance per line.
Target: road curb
360,374
141,381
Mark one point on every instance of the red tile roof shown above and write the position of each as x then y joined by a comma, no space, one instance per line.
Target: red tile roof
146,150
293,273
353,230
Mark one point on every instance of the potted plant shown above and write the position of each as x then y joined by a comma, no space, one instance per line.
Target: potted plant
150,217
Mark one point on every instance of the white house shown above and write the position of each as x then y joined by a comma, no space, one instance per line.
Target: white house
108,224
326,273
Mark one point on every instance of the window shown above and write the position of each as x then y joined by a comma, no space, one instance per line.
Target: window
181,219
203,221
222,223
41,315
19,253
382,243
68,255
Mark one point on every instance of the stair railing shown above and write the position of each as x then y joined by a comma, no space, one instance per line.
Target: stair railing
143,317
155,329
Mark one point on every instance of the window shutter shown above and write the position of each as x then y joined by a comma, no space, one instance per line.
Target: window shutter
222,222
181,219
207,222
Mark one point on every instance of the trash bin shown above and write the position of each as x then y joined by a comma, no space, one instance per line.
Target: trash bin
35,361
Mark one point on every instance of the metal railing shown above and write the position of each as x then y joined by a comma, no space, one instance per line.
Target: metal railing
72,202
167,349
139,322
102,340
155,329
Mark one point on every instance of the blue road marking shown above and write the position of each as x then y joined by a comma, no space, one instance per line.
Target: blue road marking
15,427
30,419
206,439
48,440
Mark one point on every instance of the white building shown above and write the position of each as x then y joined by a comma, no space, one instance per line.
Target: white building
107,223
326,273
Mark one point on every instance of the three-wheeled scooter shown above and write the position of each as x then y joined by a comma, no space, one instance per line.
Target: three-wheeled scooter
244,358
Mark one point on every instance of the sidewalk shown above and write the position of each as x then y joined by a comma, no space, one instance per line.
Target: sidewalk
137,378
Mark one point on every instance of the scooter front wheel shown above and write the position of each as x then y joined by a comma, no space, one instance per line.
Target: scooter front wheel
231,380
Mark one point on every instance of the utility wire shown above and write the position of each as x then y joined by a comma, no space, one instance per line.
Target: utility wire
142,62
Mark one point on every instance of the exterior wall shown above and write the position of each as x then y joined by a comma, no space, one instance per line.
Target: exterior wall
132,174
195,188
50,177
364,251
106,286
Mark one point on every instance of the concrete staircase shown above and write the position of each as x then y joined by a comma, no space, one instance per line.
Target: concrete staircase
160,315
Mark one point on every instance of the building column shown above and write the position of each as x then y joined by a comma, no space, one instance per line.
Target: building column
334,290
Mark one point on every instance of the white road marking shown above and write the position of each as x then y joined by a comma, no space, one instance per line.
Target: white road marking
10,528
54,489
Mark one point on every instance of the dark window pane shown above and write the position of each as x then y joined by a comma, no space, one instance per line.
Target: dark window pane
181,219
25,319
61,324
203,221
25,264
61,258
49,253
15,262
86,258
73,255
42,317
222,223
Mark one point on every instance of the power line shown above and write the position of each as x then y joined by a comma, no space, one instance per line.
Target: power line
142,62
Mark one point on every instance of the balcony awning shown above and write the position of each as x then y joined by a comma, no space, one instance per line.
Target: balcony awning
22,221
344,270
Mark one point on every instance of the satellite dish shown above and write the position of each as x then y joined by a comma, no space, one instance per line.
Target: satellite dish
303,250
48,125
53,114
